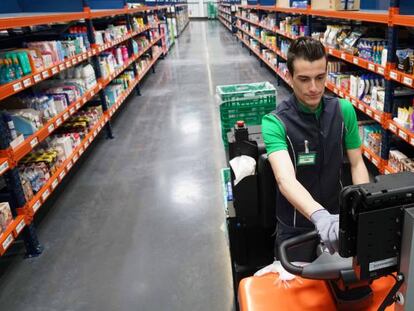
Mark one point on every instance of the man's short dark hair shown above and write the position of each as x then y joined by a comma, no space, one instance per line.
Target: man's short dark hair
307,48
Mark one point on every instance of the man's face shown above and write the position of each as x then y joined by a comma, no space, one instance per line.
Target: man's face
308,81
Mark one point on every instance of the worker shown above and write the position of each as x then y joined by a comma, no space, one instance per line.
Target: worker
305,139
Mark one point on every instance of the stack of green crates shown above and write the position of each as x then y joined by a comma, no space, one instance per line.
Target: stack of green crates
211,10
247,102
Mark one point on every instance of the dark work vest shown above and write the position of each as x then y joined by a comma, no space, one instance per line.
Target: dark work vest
325,137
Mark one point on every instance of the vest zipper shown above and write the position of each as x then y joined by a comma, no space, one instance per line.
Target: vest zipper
294,163
342,153
322,154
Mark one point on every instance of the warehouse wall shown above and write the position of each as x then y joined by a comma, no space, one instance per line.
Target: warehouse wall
198,8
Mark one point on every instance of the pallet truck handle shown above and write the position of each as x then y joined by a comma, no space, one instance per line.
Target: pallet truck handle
285,245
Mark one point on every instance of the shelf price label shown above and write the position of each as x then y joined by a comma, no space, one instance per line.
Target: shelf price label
34,142
90,139
7,241
375,161
371,67
61,67
68,64
78,105
403,135
407,81
377,118
72,110
54,184
51,128
75,158
62,175
341,93
45,74
79,58
380,70
17,86
36,206
412,141
81,150
393,128
58,122
369,112
394,75
27,82
45,194
69,166
367,155
37,78
84,100
343,55
361,107
89,54
4,166
20,226
353,102
65,116
355,60
386,172
55,70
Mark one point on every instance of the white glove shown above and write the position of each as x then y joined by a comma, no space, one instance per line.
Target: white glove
284,277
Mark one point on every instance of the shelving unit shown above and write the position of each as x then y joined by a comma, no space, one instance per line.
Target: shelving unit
390,19
179,14
226,15
24,212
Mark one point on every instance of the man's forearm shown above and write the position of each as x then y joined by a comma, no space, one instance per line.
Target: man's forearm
359,173
299,197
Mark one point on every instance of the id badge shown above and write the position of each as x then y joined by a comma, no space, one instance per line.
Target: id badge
306,158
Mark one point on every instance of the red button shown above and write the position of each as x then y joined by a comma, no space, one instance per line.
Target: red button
240,123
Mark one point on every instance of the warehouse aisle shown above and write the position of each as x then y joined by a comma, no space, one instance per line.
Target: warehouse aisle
139,226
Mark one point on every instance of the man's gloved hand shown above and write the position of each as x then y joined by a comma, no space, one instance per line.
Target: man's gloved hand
327,226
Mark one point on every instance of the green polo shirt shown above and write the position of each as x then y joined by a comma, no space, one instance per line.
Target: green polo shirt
274,134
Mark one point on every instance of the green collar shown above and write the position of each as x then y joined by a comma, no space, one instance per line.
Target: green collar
306,109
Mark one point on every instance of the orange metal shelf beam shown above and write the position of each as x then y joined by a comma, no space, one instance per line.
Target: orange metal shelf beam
12,232
33,19
107,13
291,10
373,158
403,20
366,16
400,131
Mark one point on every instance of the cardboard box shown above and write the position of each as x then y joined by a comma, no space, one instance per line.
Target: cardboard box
283,3
5,216
336,5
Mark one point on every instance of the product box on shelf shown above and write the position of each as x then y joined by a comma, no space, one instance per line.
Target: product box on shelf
283,3
252,2
5,216
336,5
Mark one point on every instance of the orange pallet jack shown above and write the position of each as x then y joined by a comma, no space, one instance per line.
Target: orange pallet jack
374,269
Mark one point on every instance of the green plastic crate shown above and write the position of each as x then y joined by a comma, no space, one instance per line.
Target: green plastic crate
247,102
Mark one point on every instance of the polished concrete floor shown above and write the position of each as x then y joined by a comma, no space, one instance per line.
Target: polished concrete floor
139,226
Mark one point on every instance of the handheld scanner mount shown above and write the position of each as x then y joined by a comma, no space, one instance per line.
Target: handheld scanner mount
371,223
